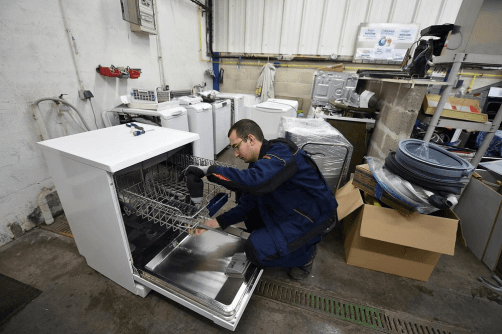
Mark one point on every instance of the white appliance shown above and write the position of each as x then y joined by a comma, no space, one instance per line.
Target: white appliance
127,212
190,99
175,117
238,111
146,99
222,121
200,121
268,115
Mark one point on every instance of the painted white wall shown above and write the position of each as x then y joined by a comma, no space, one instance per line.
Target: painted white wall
36,61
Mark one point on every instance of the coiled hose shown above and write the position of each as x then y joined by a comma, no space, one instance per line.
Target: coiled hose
38,115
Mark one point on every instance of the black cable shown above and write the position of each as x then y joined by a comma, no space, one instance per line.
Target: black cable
95,121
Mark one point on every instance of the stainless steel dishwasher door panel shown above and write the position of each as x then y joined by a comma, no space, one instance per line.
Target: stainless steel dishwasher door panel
194,266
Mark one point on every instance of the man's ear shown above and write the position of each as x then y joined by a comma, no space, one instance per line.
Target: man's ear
251,139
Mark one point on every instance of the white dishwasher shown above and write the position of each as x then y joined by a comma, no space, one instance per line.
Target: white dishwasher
222,121
130,217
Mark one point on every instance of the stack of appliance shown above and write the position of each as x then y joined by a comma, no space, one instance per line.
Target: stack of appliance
200,121
326,145
423,174
268,115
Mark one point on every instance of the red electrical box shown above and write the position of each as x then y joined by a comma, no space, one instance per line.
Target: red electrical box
119,72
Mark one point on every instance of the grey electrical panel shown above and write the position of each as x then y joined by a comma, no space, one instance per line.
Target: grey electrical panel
140,14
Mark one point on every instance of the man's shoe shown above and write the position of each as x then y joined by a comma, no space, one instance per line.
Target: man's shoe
299,273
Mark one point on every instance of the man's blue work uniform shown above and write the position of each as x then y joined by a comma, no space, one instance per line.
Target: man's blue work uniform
286,204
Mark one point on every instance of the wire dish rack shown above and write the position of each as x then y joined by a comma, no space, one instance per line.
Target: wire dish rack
157,195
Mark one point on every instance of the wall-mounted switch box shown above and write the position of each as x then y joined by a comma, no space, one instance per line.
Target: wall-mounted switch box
140,15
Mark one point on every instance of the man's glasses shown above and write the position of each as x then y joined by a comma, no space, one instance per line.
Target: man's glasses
235,147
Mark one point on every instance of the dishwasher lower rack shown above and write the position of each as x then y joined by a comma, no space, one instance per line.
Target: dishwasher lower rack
156,194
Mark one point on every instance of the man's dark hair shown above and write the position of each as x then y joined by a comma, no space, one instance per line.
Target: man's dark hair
246,127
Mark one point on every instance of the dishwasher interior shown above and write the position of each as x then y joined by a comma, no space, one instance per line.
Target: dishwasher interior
159,219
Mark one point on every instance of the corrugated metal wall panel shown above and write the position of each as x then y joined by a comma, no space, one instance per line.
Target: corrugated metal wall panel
427,12
311,26
355,15
236,25
220,26
291,27
334,20
450,11
379,11
403,11
315,27
254,26
272,26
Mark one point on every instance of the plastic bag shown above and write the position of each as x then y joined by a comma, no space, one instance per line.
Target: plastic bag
423,153
402,190
325,144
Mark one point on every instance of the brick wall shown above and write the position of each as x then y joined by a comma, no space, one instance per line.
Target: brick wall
399,105
295,83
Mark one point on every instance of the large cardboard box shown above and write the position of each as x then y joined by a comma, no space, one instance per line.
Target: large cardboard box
382,239
457,108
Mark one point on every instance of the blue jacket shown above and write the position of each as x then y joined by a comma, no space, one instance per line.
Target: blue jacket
287,188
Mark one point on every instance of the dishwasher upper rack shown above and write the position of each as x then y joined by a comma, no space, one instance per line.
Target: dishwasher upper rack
159,196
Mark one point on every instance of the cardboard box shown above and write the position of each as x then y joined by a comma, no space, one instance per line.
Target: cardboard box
457,108
384,240
364,180
480,212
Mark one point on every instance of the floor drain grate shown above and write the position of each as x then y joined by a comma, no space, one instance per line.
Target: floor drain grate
358,314
60,226
384,321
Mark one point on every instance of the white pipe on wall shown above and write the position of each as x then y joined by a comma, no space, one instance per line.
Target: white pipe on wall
44,206
73,45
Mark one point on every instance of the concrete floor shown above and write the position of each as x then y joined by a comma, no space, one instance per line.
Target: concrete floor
77,299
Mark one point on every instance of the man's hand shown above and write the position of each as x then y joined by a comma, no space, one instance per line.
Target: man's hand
199,171
211,223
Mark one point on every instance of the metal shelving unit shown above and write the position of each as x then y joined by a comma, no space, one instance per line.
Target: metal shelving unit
476,40
437,121
457,124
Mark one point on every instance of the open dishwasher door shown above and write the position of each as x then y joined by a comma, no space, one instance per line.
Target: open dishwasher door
130,218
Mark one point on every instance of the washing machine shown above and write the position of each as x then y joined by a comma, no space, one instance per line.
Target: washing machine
237,101
200,121
174,117
222,121
268,115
